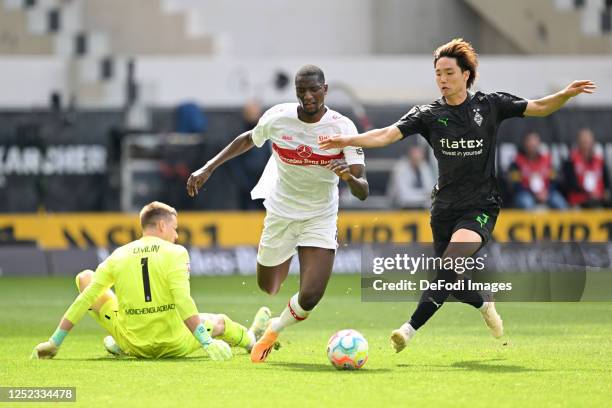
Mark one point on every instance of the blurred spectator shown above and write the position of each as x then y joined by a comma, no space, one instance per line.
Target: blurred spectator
190,118
533,177
412,179
177,159
247,168
586,174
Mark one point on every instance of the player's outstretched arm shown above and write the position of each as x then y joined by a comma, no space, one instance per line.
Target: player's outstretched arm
551,103
373,138
239,145
100,284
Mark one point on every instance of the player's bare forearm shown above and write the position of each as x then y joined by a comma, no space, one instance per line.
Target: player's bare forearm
192,322
552,103
379,137
373,138
66,324
238,146
547,105
353,175
357,182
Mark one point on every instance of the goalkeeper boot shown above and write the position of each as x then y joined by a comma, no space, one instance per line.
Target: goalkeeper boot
112,347
400,337
262,349
260,322
492,319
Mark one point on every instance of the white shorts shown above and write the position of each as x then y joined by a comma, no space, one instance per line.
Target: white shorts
281,237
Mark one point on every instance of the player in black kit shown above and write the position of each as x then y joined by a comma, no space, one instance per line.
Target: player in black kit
461,127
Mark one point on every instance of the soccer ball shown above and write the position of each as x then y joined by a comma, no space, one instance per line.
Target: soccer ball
347,350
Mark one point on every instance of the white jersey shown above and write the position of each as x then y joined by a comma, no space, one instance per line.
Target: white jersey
299,186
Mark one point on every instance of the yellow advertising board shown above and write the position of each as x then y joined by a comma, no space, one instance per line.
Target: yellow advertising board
227,229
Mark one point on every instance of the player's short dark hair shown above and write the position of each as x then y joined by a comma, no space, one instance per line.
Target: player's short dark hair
152,212
309,70
464,54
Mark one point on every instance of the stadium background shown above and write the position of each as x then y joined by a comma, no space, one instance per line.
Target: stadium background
106,106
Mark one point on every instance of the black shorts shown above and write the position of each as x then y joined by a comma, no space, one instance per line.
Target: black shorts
444,223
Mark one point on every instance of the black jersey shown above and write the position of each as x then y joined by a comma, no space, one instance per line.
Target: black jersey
463,138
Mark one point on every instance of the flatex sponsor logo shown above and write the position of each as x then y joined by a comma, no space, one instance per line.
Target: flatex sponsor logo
461,144
462,147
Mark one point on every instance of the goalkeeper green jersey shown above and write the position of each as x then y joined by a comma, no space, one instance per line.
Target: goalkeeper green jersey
150,277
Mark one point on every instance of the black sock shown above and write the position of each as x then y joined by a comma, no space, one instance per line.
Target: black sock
432,300
470,297
457,251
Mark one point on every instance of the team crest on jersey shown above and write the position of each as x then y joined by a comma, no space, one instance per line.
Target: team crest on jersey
477,117
304,151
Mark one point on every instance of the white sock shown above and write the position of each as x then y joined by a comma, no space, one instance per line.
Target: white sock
408,330
292,314
252,340
484,307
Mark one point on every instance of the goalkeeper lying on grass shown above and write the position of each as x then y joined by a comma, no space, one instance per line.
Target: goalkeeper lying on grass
151,314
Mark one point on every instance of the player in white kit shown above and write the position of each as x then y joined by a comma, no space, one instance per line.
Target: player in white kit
301,195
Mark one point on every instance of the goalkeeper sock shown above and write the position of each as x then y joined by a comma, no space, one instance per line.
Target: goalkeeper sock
58,336
235,334
292,314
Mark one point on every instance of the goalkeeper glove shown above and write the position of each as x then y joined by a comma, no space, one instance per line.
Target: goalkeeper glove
45,350
49,349
217,350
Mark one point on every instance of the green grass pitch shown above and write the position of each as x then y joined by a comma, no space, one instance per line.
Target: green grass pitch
558,354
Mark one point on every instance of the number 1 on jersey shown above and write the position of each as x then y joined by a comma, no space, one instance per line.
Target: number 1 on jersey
144,264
